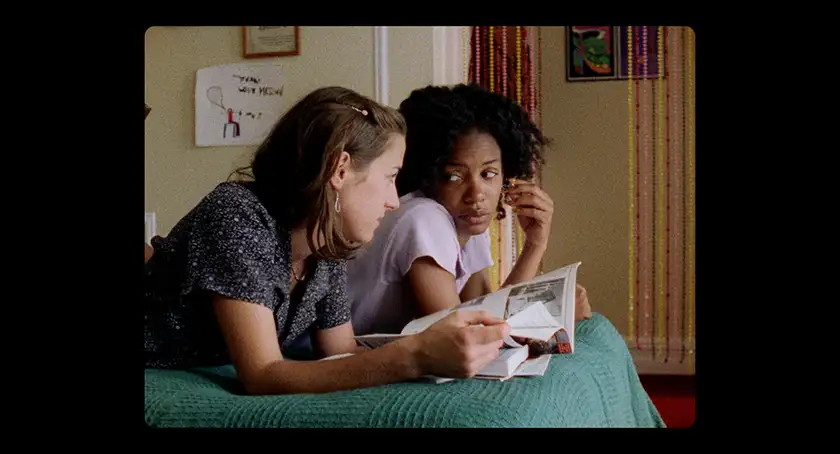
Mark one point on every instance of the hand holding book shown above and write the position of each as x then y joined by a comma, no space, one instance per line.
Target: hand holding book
460,344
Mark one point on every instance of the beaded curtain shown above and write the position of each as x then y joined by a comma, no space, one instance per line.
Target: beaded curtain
502,59
660,109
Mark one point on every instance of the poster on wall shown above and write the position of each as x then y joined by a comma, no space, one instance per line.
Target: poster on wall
645,58
237,104
590,53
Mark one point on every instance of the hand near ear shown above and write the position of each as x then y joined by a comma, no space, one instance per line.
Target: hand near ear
534,209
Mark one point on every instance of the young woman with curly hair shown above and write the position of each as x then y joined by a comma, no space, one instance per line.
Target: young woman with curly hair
463,145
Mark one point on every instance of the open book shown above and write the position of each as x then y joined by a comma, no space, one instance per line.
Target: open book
540,312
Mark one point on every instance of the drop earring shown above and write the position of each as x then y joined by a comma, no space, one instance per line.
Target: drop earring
337,204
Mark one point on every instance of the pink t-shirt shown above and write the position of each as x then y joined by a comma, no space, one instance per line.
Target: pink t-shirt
376,277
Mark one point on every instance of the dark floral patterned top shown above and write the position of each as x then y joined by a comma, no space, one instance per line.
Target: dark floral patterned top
230,245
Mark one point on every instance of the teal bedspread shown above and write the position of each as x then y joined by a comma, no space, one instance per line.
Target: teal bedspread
596,387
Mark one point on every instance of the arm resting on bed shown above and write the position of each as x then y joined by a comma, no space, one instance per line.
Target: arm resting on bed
251,337
457,346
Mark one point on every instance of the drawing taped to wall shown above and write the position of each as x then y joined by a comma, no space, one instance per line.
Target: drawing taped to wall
237,104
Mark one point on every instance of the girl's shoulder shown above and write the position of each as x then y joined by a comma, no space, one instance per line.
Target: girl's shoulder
239,203
417,207
419,220
234,193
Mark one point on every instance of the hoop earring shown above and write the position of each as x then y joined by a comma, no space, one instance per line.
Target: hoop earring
337,204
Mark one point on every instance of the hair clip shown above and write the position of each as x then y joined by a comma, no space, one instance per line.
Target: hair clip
361,111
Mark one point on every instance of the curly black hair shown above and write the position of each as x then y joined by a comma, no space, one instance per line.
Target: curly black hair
437,116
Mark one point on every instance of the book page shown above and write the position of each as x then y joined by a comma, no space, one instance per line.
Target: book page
506,363
533,367
568,301
549,290
535,322
510,343
562,307
419,324
555,304
493,303
516,304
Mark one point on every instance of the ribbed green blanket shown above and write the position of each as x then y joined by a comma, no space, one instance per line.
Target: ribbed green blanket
597,386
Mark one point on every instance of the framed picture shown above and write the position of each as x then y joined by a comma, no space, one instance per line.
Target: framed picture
641,53
261,42
590,53
151,227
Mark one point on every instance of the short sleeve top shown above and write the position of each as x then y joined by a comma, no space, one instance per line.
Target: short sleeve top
420,227
230,245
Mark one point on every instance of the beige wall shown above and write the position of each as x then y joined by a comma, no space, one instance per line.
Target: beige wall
586,175
178,173
410,55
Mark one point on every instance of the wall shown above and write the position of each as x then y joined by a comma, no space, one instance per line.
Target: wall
178,173
586,175
410,59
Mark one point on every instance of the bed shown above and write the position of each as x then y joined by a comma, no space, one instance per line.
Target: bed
596,387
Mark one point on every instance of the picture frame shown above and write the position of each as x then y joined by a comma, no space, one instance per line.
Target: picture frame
275,41
151,227
590,53
653,69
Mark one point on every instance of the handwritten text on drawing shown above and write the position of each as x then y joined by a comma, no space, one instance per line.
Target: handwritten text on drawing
246,86
249,114
243,79
263,91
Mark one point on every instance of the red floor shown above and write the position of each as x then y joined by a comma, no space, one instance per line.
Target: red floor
673,396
